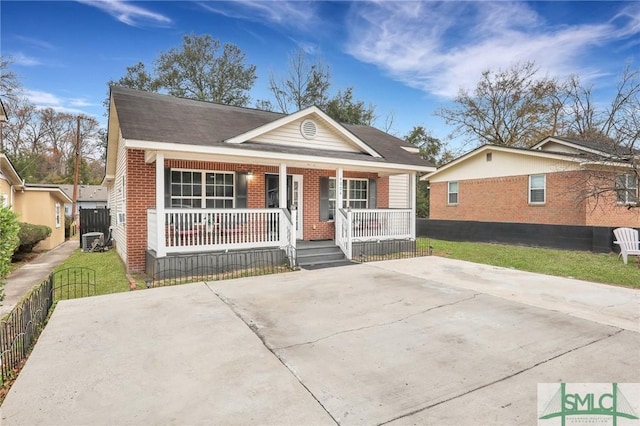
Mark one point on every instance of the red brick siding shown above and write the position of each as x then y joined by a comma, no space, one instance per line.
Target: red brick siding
141,196
505,199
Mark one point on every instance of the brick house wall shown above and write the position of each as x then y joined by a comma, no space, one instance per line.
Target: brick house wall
505,199
141,196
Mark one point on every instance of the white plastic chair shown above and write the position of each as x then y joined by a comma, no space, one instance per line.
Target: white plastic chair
627,239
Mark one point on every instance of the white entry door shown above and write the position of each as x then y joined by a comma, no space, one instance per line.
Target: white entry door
297,200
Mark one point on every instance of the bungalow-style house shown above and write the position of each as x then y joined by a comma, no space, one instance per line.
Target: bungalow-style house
187,177
35,204
545,184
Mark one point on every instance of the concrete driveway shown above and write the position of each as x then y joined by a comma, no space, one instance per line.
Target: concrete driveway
414,341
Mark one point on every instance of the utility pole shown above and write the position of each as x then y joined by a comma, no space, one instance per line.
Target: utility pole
76,175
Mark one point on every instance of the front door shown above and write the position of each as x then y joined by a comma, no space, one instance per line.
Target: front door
294,197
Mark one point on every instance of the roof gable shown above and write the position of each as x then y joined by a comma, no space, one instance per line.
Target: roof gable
330,134
580,147
476,164
9,171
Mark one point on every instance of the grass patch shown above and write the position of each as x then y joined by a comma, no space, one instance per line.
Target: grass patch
582,265
110,271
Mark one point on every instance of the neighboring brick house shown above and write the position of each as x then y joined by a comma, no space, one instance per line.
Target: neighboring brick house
35,204
186,177
546,184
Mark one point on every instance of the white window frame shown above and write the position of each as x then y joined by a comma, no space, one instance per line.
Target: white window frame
543,189
58,221
203,190
121,216
3,200
450,193
347,200
624,188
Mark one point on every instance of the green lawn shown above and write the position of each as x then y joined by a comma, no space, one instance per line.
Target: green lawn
110,271
603,268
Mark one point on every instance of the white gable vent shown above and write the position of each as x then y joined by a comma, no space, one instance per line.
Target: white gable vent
308,129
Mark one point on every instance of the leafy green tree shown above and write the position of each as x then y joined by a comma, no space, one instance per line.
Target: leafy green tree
430,149
9,241
199,70
344,109
429,146
202,68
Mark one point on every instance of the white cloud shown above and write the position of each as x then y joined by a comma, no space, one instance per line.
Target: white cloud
291,14
19,58
41,44
49,100
128,13
442,47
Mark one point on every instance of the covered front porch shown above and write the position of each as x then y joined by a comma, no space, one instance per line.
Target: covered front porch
230,206
188,230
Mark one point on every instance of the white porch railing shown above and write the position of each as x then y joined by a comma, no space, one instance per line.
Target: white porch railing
356,225
194,230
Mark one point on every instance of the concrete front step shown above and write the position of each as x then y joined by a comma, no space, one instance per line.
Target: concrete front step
318,252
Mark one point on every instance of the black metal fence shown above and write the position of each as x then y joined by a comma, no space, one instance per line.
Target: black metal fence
180,269
369,251
21,328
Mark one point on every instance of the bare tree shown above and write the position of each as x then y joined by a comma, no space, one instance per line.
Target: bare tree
614,132
306,84
508,107
9,84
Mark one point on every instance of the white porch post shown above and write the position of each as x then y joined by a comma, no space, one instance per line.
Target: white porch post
412,202
162,244
282,190
339,196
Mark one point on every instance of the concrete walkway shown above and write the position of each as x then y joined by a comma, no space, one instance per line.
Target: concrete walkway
33,273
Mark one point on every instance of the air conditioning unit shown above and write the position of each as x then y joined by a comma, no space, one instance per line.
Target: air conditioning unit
89,238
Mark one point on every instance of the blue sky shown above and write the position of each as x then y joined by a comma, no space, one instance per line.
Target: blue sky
407,58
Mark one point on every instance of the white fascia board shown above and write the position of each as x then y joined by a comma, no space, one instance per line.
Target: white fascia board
56,191
483,148
171,148
570,145
300,114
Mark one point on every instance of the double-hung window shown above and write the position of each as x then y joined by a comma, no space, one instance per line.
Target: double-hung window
627,189
452,193
58,214
537,189
200,189
355,194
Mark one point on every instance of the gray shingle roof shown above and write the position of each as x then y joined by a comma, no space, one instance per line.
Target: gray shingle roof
601,146
156,117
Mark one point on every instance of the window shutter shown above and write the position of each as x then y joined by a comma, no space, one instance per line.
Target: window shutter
241,190
373,195
324,199
167,187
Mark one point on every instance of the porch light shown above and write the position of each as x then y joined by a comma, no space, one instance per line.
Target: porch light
250,174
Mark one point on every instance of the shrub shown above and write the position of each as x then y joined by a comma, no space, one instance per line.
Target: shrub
30,235
8,243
